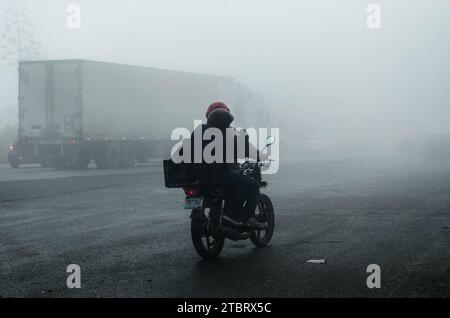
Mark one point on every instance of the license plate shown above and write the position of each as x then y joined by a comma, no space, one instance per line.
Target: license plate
193,203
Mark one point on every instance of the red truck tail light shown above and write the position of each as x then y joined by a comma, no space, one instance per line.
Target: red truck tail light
192,191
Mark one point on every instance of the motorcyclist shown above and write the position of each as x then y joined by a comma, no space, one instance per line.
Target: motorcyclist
243,192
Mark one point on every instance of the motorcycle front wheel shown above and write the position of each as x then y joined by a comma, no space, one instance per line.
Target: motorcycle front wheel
208,245
264,214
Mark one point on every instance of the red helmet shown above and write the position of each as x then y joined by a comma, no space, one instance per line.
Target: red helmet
219,115
216,106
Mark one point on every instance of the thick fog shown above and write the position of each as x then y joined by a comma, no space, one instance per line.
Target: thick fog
321,70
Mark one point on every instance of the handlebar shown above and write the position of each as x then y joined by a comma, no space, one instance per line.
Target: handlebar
258,163
249,167
265,163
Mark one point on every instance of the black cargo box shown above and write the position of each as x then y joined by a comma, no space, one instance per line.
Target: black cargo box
178,175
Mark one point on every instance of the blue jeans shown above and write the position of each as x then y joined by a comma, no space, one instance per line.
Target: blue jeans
241,190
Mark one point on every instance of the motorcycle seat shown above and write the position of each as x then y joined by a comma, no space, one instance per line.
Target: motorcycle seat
217,192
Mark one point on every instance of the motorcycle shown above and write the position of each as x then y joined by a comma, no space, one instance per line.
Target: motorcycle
210,226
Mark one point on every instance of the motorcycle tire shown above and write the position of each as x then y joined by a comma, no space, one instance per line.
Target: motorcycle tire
264,214
207,245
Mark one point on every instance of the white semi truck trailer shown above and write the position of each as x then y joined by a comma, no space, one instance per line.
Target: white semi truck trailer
75,111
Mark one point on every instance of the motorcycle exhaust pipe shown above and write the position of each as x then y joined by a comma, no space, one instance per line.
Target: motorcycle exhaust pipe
230,233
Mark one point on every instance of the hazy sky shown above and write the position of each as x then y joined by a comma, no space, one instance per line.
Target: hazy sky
316,62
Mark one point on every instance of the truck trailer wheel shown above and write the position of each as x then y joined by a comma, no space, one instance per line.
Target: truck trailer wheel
107,156
84,157
142,159
83,161
128,155
141,152
45,163
57,163
14,162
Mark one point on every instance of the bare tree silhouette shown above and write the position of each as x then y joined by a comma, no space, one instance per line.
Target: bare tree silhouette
19,42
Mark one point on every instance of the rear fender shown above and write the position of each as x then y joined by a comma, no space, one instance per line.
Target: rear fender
198,215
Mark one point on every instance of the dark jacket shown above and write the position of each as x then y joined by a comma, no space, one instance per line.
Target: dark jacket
213,172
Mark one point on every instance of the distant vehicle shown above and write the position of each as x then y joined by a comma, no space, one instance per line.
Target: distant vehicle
14,158
437,147
22,152
434,147
73,111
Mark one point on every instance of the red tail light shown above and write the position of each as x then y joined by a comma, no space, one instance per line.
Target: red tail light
12,147
192,192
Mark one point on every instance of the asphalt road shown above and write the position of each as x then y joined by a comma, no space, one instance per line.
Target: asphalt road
131,236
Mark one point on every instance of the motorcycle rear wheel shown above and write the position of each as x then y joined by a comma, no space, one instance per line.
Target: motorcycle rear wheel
205,243
264,214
